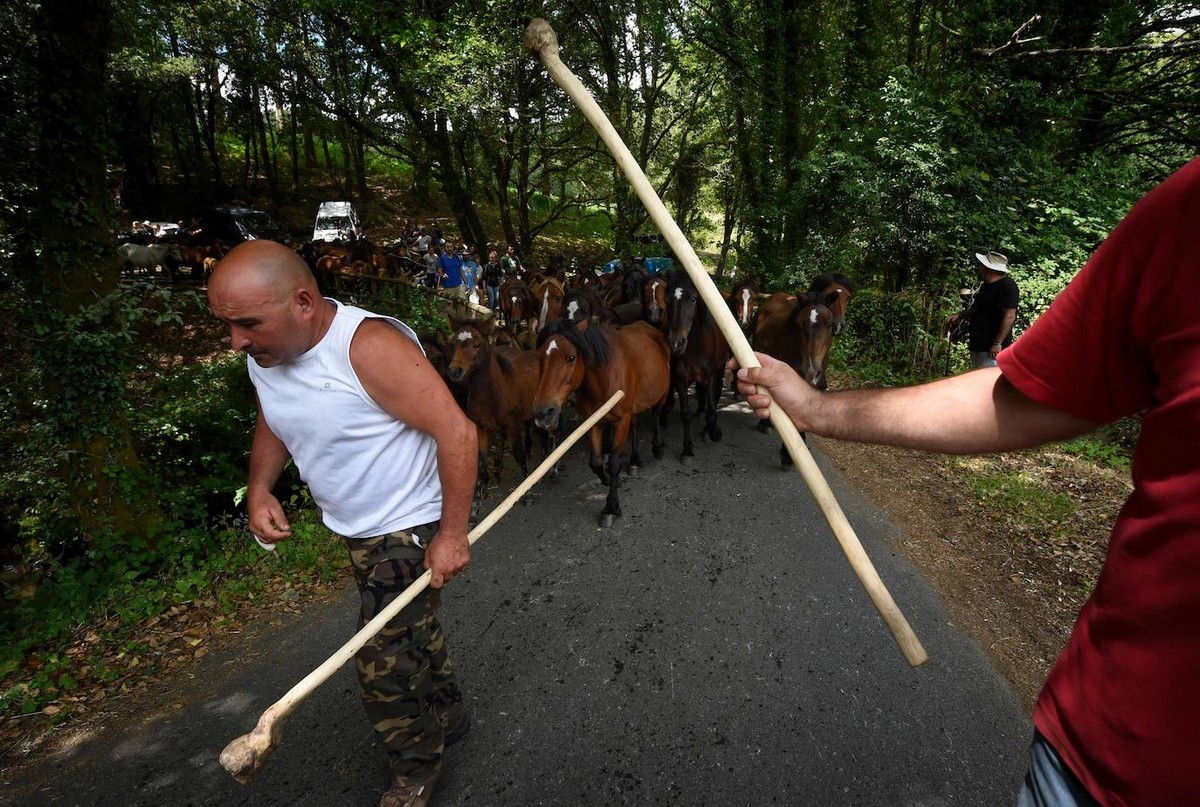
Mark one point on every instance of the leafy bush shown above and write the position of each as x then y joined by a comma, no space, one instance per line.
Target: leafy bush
887,339
194,434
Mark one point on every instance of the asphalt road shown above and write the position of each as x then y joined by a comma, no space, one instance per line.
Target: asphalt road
713,648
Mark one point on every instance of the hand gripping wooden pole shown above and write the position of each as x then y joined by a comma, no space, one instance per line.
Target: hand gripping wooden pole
541,41
246,756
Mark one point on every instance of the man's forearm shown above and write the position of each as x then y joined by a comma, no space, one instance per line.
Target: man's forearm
973,413
458,463
268,456
1006,323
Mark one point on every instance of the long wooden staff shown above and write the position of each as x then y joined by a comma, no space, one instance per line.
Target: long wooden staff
541,41
246,756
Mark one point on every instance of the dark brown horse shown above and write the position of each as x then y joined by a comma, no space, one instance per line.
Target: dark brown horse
798,331
582,304
594,363
834,283
698,356
495,388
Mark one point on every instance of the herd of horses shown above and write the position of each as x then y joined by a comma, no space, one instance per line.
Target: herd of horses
557,340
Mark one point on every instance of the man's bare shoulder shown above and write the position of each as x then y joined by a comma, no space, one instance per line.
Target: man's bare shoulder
377,340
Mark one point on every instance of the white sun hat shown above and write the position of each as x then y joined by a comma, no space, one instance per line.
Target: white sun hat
996,261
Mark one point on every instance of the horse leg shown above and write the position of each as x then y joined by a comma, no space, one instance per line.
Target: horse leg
595,458
549,443
658,440
712,392
481,482
500,434
612,507
635,459
785,459
685,417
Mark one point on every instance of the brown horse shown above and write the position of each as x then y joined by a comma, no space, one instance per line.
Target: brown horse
594,363
654,301
843,287
798,331
495,388
516,304
743,302
698,356
327,269
547,292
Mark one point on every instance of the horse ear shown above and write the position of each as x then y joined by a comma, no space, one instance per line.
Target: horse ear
831,297
439,338
486,326
561,276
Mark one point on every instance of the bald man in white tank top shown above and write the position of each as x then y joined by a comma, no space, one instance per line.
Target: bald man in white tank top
390,459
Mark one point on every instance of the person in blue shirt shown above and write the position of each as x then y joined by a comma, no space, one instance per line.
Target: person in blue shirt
450,269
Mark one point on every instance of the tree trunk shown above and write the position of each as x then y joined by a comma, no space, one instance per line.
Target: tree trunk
79,274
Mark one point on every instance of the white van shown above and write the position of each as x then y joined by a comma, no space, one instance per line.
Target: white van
336,221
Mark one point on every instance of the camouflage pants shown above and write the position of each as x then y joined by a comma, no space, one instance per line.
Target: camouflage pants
407,685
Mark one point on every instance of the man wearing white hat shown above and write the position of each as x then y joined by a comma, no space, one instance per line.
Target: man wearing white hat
992,311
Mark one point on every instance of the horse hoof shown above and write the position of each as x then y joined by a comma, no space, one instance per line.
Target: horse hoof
632,470
685,459
657,451
715,435
527,499
607,520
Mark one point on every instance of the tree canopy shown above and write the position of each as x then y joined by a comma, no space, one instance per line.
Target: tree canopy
882,139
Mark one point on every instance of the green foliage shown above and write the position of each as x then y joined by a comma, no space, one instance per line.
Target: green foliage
194,434
887,339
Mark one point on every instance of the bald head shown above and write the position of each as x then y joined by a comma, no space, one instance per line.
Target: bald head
262,265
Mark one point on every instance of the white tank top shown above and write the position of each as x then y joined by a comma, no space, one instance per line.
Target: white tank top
369,473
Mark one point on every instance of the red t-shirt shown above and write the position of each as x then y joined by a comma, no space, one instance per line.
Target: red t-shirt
1122,705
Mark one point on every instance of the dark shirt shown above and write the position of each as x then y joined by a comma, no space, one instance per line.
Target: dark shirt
491,274
987,311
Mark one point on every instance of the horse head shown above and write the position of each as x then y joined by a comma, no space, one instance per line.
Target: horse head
743,300
654,301
468,348
683,308
547,294
842,289
812,321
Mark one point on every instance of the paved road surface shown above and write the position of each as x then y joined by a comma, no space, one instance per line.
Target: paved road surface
713,648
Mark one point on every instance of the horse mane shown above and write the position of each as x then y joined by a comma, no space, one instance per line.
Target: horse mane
592,343
825,278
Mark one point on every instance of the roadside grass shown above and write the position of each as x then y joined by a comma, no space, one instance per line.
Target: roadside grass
61,652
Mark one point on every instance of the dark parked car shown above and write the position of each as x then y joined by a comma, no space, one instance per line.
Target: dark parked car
233,225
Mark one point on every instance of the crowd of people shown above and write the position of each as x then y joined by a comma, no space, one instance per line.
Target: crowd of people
455,267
